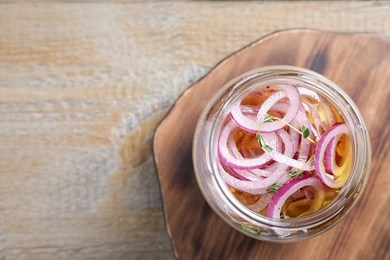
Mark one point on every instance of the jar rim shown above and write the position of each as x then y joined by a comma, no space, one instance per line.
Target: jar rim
357,179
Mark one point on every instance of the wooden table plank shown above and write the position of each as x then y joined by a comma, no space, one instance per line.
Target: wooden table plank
82,89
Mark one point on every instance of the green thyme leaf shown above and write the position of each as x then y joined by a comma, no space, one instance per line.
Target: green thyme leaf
274,188
268,118
260,138
262,143
295,173
305,131
292,173
259,231
268,148
248,229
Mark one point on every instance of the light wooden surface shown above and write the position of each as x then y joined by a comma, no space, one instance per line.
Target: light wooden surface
83,87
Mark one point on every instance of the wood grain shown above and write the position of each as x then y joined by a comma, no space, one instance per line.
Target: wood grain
83,86
196,231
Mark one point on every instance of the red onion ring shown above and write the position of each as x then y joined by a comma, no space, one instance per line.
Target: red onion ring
281,158
260,186
289,151
245,175
241,163
330,180
330,156
288,189
252,126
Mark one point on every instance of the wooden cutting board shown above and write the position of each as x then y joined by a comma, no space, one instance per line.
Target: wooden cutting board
360,64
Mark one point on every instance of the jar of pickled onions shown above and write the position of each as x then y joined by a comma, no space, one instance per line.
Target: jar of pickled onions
281,153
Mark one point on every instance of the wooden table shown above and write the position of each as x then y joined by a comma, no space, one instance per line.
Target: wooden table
83,87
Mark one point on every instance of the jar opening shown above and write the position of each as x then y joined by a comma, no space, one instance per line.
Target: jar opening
220,107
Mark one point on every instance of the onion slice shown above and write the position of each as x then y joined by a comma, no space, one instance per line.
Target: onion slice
277,201
330,155
293,126
259,186
288,160
261,203
336,180
251,125
228,158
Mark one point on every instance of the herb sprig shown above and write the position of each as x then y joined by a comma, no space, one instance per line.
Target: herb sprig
262,143
274,188
299,173
260,138
304,131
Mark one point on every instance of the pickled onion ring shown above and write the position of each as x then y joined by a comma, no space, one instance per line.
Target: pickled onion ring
330,180
287,160
330,155
260,186
295,128
291,187
240,163
251,125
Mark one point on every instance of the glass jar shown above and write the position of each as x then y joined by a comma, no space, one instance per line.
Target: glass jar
216,191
